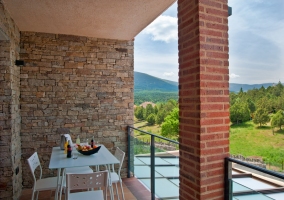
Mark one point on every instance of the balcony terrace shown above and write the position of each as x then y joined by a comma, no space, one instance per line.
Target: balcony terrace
69,64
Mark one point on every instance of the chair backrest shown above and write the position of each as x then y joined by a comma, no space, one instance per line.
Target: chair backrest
33,162
119,154
86,181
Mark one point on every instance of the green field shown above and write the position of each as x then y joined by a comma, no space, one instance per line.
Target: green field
246,139
250,140
142,125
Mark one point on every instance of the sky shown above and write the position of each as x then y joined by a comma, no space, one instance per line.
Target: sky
256,43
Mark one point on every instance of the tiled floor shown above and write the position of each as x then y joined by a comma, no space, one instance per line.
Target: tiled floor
137,189
133,190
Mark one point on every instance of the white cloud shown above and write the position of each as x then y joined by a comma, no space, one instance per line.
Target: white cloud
164,66
256,43
232,75
168,74
164,28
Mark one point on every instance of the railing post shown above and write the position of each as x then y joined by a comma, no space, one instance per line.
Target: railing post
152,167
128,149
228,180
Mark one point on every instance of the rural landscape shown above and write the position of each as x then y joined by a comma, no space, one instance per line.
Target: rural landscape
256,114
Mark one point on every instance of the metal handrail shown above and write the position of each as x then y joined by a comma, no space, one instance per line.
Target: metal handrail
152,155
157,136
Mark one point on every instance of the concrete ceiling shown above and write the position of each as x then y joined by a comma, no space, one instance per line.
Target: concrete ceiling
112,19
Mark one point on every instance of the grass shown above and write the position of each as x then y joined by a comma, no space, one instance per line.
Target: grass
250,140
143,125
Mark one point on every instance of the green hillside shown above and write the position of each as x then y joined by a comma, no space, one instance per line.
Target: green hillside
150,88
235,87
146,82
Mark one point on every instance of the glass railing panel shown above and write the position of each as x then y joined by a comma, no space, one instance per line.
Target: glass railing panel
131,157
166,159
141,155
241,192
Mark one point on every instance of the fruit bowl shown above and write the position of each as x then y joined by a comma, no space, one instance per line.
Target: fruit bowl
88,151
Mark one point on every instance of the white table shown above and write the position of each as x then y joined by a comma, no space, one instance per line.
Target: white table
58,160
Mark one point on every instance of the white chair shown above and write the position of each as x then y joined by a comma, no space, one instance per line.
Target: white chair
40,184
115,177
86,181
73,170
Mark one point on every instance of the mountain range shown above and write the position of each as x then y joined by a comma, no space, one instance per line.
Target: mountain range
145,82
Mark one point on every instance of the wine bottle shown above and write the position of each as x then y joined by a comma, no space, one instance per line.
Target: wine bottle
69,150
92,142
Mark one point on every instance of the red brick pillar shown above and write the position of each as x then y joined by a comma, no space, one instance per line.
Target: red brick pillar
204,97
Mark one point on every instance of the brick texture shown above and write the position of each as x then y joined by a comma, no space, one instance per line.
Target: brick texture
79,83
10,141
204,97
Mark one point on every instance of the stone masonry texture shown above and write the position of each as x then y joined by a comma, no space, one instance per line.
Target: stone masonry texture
78,83
10,120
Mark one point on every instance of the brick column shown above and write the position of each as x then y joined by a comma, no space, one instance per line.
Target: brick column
204,97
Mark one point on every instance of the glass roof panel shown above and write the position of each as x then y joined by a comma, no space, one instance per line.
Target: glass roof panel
252,197
144,172
254,184
276,196
173,161
163,188
137,161
168,171
175,181
158,161
239,188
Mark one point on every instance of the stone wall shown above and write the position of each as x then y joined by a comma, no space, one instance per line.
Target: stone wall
80,83
10,142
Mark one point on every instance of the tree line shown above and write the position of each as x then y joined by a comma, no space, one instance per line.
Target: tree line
153,96
261,105
164,114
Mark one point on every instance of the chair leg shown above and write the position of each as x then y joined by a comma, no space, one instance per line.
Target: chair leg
33,194
117,191
120,181
111,191
37,195
61,185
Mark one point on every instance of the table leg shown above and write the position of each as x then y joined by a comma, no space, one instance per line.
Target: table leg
110,183
58,181
62,183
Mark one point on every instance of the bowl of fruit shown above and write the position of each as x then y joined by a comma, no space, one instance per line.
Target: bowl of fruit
87,149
